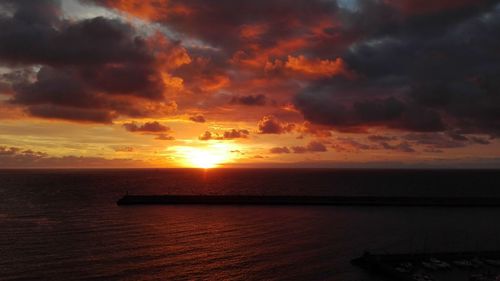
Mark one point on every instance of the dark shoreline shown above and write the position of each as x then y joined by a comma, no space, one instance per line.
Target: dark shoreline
309,200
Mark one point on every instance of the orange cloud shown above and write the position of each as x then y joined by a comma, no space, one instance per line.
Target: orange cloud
214,83
168,55
151,10
252,31
318,68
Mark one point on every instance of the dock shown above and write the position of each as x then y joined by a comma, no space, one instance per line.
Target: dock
309,200
457,266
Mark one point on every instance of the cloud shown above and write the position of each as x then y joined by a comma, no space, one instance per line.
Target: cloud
299,149
316,130
402,146
415,7
71,114
279,150
90,70
424,71
205,136
148,127
197,118
228,26
445,140
434,142
16,151
479,140
15,157
318,68
344,144
323,108
227,135
123,148
379,138
250,100
164,137
311,147
270,125
316,146
236,134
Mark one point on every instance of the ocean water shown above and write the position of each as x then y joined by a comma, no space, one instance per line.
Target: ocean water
65,225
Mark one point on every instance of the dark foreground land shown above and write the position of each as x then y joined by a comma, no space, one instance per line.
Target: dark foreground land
465,266
309,200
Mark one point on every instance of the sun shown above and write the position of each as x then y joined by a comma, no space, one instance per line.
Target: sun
205,159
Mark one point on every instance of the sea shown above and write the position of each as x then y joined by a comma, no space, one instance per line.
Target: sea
65,224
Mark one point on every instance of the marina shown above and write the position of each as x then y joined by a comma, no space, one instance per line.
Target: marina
465,266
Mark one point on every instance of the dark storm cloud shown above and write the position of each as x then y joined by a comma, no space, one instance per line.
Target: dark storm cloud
85,64
36,34
51,111
322,107
249,100
230,24
329,28
418,77
64,89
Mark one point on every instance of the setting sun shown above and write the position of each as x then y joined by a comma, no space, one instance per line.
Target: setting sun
205,157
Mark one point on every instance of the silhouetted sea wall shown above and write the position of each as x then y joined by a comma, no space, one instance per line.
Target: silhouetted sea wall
309,200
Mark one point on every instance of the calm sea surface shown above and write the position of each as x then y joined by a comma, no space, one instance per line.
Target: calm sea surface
65,225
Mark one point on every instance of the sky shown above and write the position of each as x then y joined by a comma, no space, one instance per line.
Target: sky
274,83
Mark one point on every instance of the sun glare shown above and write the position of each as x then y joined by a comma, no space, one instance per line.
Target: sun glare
205,157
